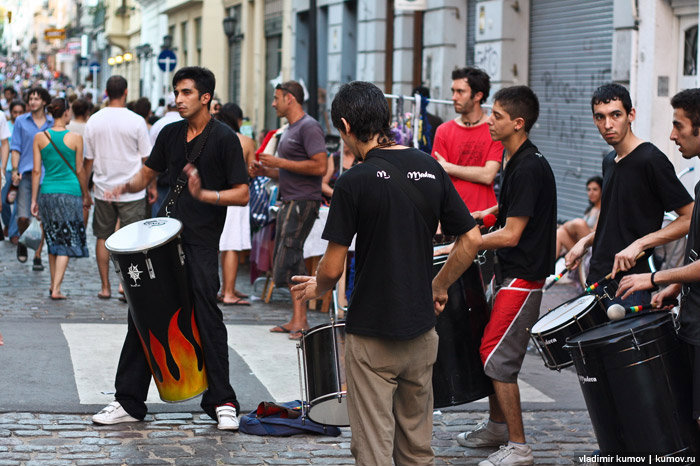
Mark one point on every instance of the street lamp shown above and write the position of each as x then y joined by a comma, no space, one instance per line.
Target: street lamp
111,61
119,59
232,31
167,42
128,56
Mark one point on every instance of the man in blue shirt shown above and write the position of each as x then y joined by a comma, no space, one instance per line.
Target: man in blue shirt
26,127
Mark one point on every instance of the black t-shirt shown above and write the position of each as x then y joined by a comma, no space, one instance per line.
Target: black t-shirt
220,166
392,296
690,302
528,189
637,191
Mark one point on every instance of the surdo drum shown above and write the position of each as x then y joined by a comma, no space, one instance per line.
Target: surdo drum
149,260
571,318
322,351
458,373
635,376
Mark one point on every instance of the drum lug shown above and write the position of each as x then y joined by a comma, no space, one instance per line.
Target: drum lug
149,266
117,269
481,257
580,350
605,292
634,338
181,253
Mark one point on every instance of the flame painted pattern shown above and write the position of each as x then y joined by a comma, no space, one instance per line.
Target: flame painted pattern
192,380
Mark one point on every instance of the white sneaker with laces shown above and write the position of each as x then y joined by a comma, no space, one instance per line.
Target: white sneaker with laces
113,413
227,417
486,434
510,455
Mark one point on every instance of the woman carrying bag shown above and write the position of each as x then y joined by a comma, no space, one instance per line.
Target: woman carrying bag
63,195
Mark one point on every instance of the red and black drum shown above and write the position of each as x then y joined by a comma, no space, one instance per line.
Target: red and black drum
636,379
458,373
571,318
323,372
149,260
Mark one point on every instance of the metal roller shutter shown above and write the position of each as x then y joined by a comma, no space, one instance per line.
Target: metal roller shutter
570,55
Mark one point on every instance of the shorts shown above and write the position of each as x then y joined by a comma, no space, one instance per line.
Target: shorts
24,196
104,219
694,357
516,307
295,220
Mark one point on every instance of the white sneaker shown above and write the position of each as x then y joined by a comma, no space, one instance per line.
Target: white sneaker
113,413
227,417
486,434
510,455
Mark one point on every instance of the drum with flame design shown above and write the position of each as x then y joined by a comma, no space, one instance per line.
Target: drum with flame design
149,260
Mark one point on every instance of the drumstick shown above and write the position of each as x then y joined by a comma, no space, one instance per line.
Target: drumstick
646,307
609,276
556,279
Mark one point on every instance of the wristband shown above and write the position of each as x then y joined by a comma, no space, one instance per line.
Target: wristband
653,283
218,198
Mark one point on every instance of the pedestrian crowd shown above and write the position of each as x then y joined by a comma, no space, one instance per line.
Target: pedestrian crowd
65,157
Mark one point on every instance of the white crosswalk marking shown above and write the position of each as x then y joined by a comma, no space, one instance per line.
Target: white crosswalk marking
272,358
94,351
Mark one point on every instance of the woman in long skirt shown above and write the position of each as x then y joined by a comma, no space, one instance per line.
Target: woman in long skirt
63,195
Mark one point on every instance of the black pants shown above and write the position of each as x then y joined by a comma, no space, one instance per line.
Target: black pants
134,376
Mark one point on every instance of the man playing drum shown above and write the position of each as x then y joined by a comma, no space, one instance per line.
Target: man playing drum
524,244
686,135
391,344
639,185
216,179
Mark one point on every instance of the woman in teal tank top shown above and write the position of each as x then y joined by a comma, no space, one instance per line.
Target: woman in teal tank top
60,198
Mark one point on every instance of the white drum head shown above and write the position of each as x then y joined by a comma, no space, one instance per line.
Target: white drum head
143,235
562,314
332,412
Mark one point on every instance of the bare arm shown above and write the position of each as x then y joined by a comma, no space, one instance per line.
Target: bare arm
80,170
642,281
506,237
325,183
315,165
15,164
475,174
36,173
627,258
461,257
328,273
573,257
137,182
4,155
237,195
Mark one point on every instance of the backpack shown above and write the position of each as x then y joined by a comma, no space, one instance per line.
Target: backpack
282,420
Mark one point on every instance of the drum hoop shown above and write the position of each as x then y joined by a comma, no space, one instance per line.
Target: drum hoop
617,337
318,328
114,250
566,323
327,397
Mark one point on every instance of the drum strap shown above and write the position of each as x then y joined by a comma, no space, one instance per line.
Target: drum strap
418,199
166,209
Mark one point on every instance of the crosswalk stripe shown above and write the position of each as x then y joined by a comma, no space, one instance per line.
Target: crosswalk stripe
272,358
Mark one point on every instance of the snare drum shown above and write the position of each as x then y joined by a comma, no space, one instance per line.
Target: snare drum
458,373
149,260
322,352
571,318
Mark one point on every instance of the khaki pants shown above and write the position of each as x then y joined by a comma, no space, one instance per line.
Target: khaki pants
390,399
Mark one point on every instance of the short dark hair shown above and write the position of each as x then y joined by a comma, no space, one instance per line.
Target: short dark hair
41,92
10,88
609,92
16,103
689,101
204,80
477,78
57,107
142,106
293,88
366,110
116,87
230,113
595,179
519,102
421,91
80,107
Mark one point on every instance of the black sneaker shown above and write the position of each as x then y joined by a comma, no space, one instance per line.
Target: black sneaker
38,266
22,253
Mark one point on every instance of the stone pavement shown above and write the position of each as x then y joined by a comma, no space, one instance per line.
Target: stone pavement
54,436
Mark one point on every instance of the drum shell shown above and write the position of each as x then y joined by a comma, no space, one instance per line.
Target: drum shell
551,341
638,389
324,368
458,373
160,305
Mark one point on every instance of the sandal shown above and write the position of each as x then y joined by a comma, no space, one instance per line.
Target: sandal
237,302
